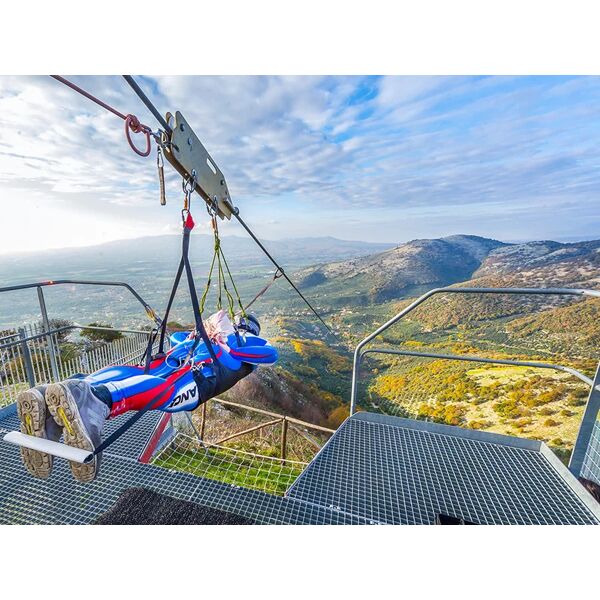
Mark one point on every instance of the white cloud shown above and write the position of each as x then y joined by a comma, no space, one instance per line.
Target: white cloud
300,145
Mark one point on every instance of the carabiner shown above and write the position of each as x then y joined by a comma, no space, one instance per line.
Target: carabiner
161,175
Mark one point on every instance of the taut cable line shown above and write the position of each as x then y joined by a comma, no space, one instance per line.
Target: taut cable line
133,124
235,211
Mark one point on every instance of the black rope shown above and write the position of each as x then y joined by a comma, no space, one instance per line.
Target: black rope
276,276
195,304
138,90
184,264
147,358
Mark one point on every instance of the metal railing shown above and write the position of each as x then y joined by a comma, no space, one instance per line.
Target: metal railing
592,408
35,353
239,444
27,358
39,285
277,419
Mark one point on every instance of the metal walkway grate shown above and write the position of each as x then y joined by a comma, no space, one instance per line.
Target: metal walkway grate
392,470
62,500
375,469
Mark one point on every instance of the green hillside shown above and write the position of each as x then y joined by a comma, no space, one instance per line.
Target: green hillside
536,403
356,295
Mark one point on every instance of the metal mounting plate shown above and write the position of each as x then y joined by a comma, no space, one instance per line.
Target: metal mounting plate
186,153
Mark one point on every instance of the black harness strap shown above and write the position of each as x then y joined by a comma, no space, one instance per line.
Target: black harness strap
147,357
163,329
184,263
152,404
194,297
200,330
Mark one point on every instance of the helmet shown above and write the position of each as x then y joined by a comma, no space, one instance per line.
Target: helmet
250,324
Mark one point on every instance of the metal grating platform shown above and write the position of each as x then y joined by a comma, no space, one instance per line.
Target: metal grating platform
62,500
375,469
399,471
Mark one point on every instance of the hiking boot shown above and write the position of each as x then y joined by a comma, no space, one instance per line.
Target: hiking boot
81,415
36,421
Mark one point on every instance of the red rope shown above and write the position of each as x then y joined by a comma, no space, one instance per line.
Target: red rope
131,121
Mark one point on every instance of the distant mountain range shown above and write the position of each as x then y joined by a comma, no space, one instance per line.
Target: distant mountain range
419,265
149,265
120,258
342,273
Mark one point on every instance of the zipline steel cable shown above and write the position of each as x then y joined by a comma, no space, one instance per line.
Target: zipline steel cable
132,123
235,211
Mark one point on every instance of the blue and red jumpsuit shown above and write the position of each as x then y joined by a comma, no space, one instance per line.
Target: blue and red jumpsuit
180,382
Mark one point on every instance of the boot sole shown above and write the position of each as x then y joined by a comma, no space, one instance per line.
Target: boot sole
31,409
63,408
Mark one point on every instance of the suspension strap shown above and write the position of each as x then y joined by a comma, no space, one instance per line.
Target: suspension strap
147,357
220,260
163,329
200,330
184,264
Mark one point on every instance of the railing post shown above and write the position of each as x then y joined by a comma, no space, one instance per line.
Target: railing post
28,364
284,430
191,422
586,428
355,376
203,422
49,339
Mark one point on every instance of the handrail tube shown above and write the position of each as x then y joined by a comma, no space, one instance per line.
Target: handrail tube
96,328
452,290
24,286
481,359
273,414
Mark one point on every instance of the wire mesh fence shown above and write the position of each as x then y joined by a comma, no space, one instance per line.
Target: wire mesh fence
527,402
31,356
224,423
229,465
242,445
122,351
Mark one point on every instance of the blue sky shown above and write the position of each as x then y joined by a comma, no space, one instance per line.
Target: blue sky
372,158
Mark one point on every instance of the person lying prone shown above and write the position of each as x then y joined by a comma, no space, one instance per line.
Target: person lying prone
184,378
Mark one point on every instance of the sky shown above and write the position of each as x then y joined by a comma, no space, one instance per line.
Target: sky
367,158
